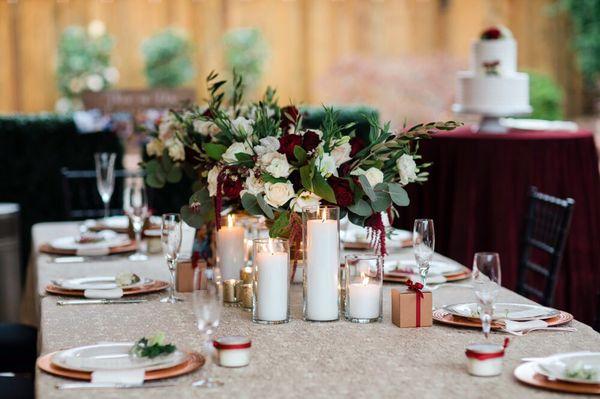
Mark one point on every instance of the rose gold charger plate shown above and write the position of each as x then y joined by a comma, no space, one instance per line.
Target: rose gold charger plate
401,277
193,363
49,249
442,316
154,286
527,374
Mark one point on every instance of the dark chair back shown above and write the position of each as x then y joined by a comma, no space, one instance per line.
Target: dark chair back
545,233
597,322
81,197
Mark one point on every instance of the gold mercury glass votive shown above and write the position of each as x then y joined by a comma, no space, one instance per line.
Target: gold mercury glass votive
246,275
246,297
229,294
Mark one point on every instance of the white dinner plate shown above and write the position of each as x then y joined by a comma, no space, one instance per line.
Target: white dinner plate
115,222
96,283
358,235
557,367
111,239
435,267
507,311
113,356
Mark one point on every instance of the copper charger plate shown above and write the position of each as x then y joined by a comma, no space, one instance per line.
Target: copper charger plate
527,374
442,316
402,277
155,286
49,249
194,362
120,230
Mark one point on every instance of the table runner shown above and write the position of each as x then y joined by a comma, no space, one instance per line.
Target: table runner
297,359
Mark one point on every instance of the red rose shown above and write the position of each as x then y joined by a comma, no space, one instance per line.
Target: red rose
343,193
310,141
208,113
344,168
356,144
287,144
491,34
232,186
289,117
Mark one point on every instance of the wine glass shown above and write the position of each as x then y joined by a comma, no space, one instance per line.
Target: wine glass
135,205
486,285
423,245
170,237
105,177
207,300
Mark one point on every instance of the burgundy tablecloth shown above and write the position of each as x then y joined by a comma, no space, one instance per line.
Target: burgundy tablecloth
477,196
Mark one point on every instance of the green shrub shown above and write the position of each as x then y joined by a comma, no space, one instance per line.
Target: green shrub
168,59
246,52
546,97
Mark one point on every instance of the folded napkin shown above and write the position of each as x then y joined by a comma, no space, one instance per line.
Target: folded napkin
517,326
114,293
93,251
523,314
134,376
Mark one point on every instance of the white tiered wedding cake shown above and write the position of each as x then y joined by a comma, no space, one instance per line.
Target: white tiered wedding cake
493,87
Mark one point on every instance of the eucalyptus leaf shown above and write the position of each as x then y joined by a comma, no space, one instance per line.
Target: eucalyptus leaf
361,208
214,151
382,202
356,219
155,180
398,194
250,204
174,175
266,208
366,186
193,219
323,189
279,226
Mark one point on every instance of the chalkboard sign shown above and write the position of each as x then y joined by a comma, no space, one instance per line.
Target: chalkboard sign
137,100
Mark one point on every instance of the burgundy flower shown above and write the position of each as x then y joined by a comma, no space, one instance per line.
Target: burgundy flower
289,117
344,168
295,179
310,140
357,144
343,193
208,113
492,33
232,186
287,144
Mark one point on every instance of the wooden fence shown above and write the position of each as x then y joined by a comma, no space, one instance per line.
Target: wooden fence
306,38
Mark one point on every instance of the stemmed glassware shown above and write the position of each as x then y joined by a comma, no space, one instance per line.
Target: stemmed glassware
423,245
207,300
170,237
486,285
105,177
135,205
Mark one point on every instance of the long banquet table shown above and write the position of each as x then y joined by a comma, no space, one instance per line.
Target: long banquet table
298,359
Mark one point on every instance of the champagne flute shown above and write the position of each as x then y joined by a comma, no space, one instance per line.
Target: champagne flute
170,237
423,245
486,285
207,303
135,205
105,177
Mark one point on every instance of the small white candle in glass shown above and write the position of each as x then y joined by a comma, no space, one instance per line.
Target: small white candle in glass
230,248
271,281
321,262
364,282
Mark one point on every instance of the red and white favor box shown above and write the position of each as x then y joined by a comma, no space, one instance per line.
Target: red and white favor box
233,351
485,359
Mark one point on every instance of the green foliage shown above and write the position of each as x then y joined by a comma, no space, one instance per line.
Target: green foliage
152,348
313,117
168,59
546,97
83,63
585,15
245,53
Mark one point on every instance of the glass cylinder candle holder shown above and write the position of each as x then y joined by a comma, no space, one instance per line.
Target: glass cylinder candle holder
230,247
364,288
271,281
321,233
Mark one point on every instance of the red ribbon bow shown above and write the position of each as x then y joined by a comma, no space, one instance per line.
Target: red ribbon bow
417,288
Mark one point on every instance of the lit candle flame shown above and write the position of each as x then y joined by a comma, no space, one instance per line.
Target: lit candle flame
230,221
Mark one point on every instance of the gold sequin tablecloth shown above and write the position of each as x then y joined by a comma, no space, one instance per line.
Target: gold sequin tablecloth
294,360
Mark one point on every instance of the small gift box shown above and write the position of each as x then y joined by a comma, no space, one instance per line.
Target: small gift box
185,275
412,307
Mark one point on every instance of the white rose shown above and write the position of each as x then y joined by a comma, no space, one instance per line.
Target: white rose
236,148
277,194
253,185
205,128
176,150
94,82
155,148
306,198
267,144
242,125
111,74
341,153
374,176
166,127
213,174
276,164
326,165
407,169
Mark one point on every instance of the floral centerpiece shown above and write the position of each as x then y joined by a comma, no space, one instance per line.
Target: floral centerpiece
257,157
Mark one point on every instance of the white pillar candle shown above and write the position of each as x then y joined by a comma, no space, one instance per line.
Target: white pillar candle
364,300
230,249
272,286
321,270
